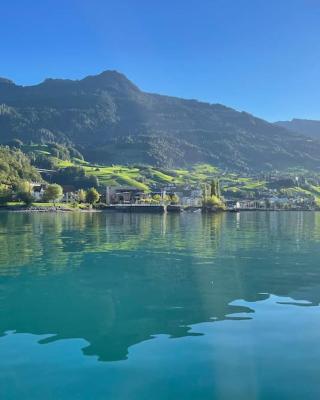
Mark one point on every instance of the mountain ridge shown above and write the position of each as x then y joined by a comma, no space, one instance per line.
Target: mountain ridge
111,120
309,127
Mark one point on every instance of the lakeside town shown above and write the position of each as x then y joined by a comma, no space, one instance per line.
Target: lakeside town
213,196
53,176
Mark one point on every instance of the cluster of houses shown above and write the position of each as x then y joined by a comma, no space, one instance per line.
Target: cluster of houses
277,203
187,196
127,195
37,191
131,195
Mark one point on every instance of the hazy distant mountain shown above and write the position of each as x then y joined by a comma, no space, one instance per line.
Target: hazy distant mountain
304,126
111,120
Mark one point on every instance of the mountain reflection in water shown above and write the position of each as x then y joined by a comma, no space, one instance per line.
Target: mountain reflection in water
116,280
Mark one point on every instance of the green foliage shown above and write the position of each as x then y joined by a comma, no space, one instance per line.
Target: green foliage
53,192
174,199
92,196
159,176
116,123
26,198
118,175
43,160
214,201
77,177
22,187
82,196
157,198
50,155
215,188
5,194
15,167
23,192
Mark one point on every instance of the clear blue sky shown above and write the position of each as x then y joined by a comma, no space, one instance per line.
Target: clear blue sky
261,56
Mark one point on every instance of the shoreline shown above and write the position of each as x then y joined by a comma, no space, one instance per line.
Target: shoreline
59,209
45,209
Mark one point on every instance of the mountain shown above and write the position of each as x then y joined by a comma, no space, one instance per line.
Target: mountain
307,127
110,120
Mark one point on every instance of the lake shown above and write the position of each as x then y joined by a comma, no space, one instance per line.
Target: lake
136,306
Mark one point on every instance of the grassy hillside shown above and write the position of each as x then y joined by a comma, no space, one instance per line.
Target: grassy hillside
76,171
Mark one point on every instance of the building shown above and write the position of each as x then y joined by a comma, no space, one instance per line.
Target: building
37,190
191,197
124,195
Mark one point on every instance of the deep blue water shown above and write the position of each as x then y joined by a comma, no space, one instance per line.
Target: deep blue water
121,306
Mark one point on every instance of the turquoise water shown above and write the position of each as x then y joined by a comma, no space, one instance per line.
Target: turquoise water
120,306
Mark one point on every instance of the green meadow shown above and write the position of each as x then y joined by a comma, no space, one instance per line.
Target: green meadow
147,177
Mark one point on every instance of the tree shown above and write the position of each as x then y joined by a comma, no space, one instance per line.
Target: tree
215,188
174,199
93,180
92,196
76,176
43,160
53,193
5,194
81,196
22,187
218,189
214,202
157,198
23,192
26,198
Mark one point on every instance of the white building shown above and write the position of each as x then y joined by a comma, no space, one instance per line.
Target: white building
37,191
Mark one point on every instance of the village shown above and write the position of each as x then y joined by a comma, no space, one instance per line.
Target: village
190,198
74,183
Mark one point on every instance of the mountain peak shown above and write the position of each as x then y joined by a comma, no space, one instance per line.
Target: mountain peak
112,121
110,79
111,73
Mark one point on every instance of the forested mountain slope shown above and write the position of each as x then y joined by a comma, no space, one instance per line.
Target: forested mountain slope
110,120
303,126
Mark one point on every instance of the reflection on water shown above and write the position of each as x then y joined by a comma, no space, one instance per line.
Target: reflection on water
113,281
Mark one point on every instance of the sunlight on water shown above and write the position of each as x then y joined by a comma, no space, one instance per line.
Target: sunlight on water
147,306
